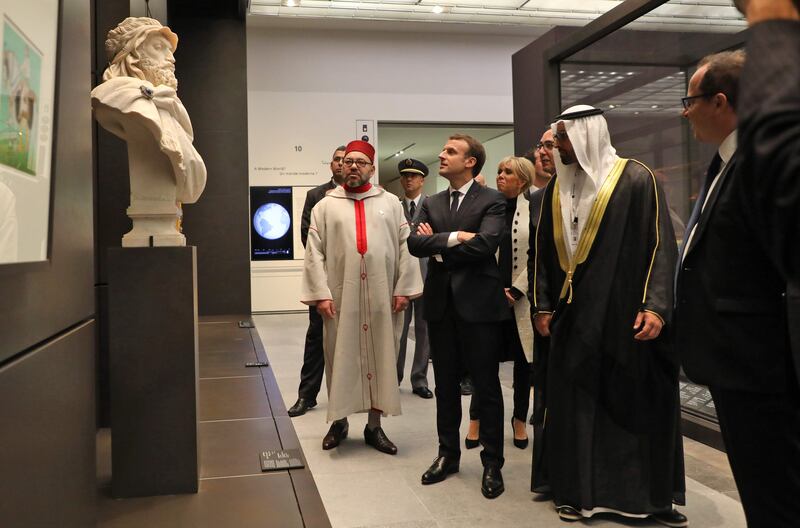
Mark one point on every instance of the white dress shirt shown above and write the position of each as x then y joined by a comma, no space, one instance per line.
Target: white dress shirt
415,201
452,240
726,151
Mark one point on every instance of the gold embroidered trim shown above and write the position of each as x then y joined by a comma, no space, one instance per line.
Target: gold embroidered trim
589,231
658,235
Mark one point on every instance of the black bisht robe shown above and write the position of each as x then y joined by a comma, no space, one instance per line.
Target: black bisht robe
612,432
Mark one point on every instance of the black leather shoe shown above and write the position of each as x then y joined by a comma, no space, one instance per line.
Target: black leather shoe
521,444
336,434
492,483
441,467
423,392
466,387
469,443
378,439
301,406
568,514
672,518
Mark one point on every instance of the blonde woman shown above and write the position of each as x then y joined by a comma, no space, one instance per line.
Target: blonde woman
514,177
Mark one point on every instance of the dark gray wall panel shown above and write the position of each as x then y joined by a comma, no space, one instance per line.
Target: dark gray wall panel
47,447
112,187
40,301
112,191
217,103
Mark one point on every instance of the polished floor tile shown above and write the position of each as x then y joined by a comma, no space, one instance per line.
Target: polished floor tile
226,363
266,500
232,447
231,398
362,488
236,423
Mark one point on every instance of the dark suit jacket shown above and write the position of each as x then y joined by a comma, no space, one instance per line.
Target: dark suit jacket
730,328
468,271
769,135
312,198
535,205
412,222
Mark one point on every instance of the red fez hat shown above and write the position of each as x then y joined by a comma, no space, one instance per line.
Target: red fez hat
362,147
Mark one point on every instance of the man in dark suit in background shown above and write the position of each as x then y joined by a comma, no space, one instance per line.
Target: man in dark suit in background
770,138
412,178
460,230
730,328
542,155
313,358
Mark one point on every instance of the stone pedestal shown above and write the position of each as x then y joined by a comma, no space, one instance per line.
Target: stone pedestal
153,370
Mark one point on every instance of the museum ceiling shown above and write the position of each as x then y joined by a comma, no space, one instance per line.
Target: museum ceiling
514,15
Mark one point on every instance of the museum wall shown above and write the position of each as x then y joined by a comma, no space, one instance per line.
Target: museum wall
211,67
47,328
307,89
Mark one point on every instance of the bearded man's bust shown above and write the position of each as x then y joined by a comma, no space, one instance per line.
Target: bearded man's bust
138,102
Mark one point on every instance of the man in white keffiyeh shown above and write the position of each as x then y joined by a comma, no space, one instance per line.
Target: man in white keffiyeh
602,290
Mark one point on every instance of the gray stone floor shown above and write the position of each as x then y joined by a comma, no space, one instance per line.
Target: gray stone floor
361,487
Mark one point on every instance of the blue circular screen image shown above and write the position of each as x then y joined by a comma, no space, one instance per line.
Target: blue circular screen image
271,221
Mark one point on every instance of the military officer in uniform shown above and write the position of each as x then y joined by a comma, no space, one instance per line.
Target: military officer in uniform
412,178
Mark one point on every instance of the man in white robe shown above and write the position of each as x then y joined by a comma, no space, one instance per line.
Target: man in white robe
359,274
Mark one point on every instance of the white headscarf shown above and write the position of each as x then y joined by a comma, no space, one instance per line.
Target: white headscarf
592,143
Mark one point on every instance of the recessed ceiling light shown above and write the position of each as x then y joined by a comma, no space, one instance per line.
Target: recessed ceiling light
654,106
438,9
581,71
611,106
630,73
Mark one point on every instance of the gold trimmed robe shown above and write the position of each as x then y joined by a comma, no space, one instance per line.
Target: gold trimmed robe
611,430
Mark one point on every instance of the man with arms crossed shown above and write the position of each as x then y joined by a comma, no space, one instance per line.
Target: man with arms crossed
460,230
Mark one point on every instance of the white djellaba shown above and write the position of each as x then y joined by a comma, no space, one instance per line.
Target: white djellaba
138,102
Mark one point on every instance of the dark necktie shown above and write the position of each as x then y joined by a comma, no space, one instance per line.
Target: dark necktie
454,203
411,209
711,173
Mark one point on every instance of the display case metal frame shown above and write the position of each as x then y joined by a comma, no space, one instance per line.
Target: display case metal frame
611,21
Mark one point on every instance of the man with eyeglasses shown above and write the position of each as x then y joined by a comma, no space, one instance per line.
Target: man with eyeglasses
359,275
542,158
313,357
545,170
605,259
731,314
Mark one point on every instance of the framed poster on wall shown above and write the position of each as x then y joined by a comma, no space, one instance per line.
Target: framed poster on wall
271,222
29,39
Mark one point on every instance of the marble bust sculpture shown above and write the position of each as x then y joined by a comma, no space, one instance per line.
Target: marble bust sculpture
138,102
